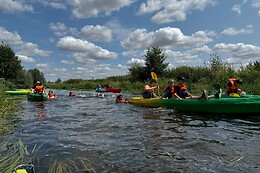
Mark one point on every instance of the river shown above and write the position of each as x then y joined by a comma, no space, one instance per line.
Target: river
96,134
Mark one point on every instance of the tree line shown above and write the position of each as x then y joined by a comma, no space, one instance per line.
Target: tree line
12,71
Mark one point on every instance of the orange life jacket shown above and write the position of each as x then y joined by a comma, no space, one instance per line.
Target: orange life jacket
39,89
120,100
52,95
182,87
234,86
172,90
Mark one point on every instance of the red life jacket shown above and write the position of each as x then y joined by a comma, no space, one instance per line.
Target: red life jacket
39,89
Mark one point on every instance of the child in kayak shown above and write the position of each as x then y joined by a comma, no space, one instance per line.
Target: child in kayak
181,92
169,90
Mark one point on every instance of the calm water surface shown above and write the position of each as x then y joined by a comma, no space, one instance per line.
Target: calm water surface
126,138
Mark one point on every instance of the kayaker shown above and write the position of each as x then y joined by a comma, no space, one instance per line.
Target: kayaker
51,95
148,90
71,94
38,88
233,86
119,99
169,90
181,92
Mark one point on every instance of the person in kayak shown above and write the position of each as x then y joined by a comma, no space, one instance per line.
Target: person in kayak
119,99
51,95
181,92
169,90
148,90
233,86
38,88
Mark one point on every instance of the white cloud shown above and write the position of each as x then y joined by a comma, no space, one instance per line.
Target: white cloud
236,8
233,31
120,66
57,26
172,10
84,50
25,59
239,51
94,8
52,4
133,53
61,29
67,62
96,33
60,69
177,58
10,37
256,3
42,67
204,49
11,6
166,38
30,49
136,61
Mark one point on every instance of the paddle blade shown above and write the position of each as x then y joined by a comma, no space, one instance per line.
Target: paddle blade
154,76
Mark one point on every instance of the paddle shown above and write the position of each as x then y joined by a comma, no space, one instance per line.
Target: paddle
155,78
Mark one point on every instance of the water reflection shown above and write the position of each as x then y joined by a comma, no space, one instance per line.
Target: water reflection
41,111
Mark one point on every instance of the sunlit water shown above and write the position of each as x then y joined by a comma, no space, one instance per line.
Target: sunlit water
127,138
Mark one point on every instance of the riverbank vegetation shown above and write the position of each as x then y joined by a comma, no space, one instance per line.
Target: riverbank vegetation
198,78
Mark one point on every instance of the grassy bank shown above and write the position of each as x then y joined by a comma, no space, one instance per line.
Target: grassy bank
7,104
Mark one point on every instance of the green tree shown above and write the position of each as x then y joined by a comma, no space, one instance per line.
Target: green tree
58,81
10,65
155,61
137,72
37,75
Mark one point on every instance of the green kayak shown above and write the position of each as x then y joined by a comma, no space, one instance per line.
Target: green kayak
37,97
249,104
18,92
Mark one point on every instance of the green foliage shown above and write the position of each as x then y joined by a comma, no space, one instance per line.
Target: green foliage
10,66
37,75
58,81
137,72
154,62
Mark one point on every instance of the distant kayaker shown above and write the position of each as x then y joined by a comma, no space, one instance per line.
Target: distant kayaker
71,93
169,90
119,99
181,92
148,90
233,86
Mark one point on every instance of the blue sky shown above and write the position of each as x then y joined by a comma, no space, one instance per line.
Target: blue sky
87,39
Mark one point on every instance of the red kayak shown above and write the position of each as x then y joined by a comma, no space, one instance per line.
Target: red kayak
113,90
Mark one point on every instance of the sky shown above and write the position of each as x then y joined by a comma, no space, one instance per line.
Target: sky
93,39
